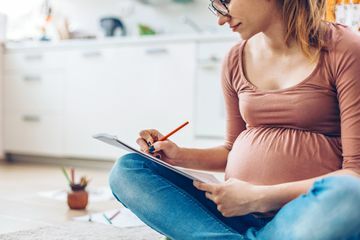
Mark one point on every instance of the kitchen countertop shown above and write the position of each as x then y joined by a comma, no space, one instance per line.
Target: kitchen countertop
76,43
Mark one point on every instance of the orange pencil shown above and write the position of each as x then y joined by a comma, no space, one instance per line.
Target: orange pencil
173,131
151,147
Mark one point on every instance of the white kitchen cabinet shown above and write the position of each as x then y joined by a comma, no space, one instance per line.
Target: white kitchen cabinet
33,102
34,90
38,134
135,87
31,60
209,101
56,98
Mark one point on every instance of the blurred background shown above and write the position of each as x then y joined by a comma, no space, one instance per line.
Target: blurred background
27,19
70,69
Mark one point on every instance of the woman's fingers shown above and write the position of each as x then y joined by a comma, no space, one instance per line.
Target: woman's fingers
147,136
206,187
161,145
156,134
210,196
148,142
144,147
150,135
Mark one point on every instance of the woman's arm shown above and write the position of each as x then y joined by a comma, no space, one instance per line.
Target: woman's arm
237,198
209,159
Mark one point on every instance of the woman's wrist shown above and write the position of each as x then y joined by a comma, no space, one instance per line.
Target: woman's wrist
179,157
271,197
180,153
208,159
262,202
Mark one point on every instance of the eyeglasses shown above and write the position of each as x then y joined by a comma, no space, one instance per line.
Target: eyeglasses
219,7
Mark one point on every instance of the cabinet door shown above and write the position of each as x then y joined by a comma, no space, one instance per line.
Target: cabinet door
35,133
35,59
209,101
122,90
33,102
168,87
31,90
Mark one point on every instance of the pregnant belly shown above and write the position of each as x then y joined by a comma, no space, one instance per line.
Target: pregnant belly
276,155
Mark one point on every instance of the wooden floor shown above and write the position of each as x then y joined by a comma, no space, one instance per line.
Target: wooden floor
22,208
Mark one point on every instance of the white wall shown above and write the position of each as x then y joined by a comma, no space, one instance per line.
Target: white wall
164,15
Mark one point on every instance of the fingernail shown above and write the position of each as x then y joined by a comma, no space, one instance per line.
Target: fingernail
158,156
151,149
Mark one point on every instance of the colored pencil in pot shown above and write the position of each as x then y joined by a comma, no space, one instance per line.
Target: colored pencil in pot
72,175
66,175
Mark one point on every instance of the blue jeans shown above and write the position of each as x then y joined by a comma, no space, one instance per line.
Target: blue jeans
168,202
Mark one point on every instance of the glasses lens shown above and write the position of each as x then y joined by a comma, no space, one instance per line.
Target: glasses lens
213,10
220,7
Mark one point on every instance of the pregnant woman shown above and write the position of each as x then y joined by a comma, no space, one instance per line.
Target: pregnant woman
292,150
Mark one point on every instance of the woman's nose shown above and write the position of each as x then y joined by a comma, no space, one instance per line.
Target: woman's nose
223,19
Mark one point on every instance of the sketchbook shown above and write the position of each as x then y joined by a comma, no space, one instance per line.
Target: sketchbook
191,174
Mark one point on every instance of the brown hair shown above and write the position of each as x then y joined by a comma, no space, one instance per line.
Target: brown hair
304,22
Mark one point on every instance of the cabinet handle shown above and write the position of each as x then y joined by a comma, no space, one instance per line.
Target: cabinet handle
156,51
214,59
31,118
208,67
92,54
33,57
210,63
32,78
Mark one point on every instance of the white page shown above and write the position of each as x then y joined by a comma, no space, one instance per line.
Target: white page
192,174
124,219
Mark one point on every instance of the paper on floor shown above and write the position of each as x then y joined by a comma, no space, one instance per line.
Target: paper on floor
124,219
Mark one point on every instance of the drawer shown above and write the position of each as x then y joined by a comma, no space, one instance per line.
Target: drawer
33,91
33,134
31,60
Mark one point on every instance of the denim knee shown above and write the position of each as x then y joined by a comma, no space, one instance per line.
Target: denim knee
335,206
121,177
341,187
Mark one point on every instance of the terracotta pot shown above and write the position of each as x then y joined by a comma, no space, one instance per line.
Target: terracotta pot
77,199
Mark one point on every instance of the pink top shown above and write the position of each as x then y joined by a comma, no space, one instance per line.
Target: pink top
300,132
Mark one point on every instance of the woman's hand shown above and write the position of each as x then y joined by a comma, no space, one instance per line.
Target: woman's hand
234,197
166,150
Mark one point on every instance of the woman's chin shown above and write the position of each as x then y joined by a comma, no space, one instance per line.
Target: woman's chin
245,35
